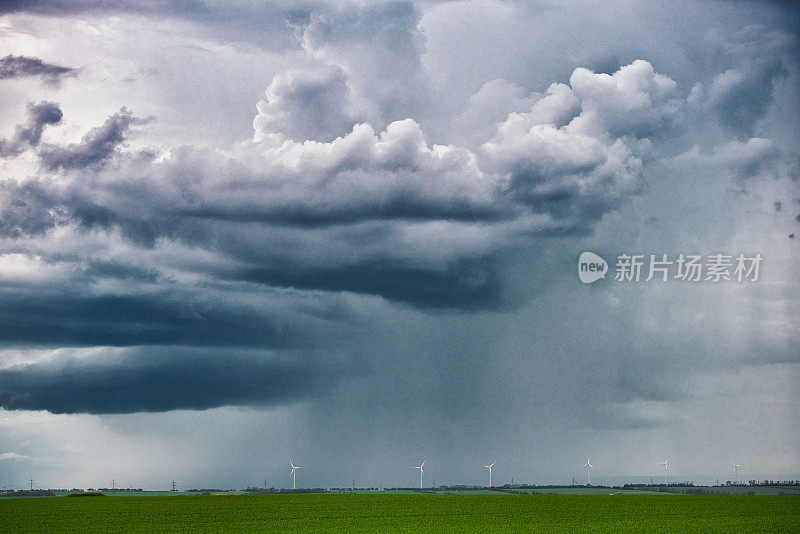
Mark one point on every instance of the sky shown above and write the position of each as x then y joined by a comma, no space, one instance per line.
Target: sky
347,234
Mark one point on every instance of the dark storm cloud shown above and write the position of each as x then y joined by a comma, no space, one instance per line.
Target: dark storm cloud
435,256
409,207
96,147
384,214
22,66
120,271
465,283
166,378
30,134
47,315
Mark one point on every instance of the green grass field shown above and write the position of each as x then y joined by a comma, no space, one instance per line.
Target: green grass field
404,513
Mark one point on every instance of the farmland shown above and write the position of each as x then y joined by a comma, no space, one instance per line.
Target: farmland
404,513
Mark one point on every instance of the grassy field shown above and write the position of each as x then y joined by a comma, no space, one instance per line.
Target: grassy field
404,513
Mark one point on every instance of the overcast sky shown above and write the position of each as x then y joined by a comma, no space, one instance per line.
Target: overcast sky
347,234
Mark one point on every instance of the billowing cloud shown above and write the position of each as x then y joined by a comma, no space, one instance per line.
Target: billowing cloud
305,104
634,101
380,47
402,214
569,155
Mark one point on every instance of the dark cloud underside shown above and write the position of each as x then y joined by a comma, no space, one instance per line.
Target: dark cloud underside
165,379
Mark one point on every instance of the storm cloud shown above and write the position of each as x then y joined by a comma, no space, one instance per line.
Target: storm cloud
155,379
350,231
409,221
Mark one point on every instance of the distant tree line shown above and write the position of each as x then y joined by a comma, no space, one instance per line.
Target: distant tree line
774,483
270,491
28,493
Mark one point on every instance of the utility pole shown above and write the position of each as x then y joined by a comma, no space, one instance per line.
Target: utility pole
265,483
113,484
31,482
173,486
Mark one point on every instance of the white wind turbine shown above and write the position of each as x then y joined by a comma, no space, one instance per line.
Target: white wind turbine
735,467
293,474
489,467
665,463
588,465
421,472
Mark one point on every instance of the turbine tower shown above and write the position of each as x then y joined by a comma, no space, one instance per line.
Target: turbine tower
293,474
665,463
735,467
421,472
489,467
588,465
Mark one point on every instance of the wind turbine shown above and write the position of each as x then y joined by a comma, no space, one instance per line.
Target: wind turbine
589,467
489,467
665,463
421,472
293,474
735,467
